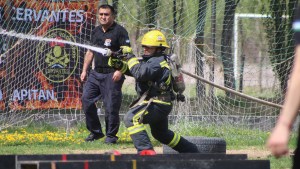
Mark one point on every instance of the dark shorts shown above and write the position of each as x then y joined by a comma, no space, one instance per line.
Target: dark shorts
296,158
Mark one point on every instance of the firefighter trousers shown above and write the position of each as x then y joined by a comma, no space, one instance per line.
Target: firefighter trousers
156,115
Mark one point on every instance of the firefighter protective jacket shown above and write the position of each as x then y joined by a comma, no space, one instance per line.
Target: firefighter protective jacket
150,73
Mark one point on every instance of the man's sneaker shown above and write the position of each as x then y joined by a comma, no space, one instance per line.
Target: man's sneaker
93,137
147,153
110,140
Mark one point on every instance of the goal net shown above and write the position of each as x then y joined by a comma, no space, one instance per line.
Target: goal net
43,42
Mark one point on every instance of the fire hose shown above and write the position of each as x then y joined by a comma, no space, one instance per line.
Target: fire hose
231,90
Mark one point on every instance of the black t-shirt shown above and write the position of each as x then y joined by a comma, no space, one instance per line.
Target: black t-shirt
113,38
296,26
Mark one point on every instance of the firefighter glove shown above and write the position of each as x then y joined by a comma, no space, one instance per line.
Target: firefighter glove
117,64
126,49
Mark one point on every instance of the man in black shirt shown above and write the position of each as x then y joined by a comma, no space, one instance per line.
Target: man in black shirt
103,81
279,138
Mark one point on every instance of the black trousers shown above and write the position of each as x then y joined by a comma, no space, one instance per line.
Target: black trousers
101,86
296,158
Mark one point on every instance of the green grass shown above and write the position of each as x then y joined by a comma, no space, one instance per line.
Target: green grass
12,140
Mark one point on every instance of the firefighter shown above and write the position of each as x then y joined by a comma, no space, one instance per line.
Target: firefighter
153,85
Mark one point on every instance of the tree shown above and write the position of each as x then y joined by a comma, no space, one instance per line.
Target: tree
226,51
199,40
115,4
151,6
175,20
279,35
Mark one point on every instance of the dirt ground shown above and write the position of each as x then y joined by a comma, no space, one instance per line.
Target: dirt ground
252,153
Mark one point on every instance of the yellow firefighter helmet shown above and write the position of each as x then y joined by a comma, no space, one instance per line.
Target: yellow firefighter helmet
155,38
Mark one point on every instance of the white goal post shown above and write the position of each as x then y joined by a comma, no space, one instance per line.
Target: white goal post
236,37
